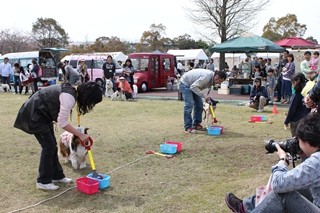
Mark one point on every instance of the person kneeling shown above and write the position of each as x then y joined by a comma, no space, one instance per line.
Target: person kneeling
125,87
287,185
258,96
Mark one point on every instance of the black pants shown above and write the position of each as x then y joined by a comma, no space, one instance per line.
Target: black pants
278,88
49,167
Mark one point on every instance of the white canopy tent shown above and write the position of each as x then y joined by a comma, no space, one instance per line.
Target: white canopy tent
231,58
192,54
117,56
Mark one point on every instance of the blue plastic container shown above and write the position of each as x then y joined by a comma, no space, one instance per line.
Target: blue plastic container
104,182
214,130
168,148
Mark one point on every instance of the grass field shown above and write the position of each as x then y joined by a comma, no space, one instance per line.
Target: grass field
195,180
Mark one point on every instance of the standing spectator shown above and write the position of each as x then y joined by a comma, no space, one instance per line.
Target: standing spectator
109,69
54,104
70,75
268,65
263,68
246,68
257,72
128,72
83,70
6,72
25,80
16,75
271,83
180,68
281,64
35,74
305,66
191,86
287,73
210,65
258,96
297,108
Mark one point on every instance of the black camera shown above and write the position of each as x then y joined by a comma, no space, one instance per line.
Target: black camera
290,145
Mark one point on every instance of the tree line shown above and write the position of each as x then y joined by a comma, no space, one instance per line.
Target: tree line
217,20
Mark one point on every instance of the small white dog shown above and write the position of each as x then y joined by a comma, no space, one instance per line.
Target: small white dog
118,96
109,88
5,87
71,149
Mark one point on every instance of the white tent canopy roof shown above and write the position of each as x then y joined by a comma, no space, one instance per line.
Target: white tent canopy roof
117,56
230,55
192,54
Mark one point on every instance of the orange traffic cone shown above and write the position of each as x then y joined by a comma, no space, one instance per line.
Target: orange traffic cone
275,111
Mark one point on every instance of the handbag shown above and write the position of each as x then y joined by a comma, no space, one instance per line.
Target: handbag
263,191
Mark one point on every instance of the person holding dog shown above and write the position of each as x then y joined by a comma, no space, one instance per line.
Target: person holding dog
287,185
191,85
41,110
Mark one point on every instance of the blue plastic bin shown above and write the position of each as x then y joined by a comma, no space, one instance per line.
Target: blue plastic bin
168,148
104,182
214,130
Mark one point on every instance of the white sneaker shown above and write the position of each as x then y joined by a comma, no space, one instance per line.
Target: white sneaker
63,180
49,186
260,110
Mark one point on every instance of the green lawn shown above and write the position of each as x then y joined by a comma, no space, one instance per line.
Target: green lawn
196,180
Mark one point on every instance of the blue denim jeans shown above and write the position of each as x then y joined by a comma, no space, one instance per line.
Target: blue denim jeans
281,203
191,102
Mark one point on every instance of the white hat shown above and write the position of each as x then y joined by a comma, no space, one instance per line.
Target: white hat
122,78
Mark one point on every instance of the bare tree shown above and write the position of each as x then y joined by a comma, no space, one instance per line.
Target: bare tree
15,41
225,18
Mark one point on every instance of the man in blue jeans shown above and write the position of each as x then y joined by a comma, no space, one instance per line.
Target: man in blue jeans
191,85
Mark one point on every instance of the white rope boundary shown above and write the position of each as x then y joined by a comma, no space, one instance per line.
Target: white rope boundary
120,167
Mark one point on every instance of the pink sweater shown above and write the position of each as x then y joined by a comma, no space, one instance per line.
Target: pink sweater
67,102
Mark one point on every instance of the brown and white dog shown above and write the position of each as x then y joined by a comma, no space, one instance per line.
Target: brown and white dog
71,149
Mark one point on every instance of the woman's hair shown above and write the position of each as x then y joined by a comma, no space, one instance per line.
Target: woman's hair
291,56
88,95
16,65
22,70
258,66
125,63
308,129
300,82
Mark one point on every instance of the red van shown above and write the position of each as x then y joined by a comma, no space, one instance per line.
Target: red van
152,69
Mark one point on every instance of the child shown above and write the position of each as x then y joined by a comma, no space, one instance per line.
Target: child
271,83
297,108
25,80
314,61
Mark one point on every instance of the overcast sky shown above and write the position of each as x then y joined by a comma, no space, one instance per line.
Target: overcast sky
128,19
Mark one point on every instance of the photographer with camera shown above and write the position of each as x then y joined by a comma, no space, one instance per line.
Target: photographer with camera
258,96
285,183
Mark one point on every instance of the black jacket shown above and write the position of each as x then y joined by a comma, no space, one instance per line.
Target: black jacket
41,109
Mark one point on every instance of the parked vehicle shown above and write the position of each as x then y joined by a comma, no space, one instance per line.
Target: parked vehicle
94,63
152,70
45,59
